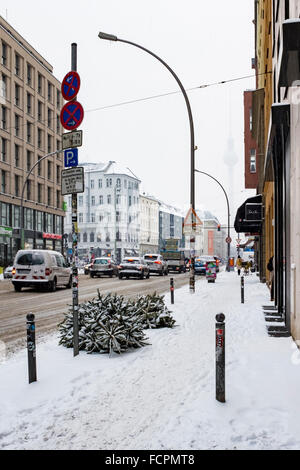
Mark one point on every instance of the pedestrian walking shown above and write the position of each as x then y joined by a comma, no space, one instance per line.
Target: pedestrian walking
270,267
239,264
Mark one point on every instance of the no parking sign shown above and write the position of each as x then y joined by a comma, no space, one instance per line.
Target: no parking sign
71,115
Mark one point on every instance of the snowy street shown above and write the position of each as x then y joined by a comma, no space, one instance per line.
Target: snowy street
163,395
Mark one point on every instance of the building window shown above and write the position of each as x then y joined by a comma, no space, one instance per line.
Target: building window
129,200
92,184
4,54
92,218
40,111
108,199
16,216
39,188
17,156
252,161
118,216
3,117
39,167
118,182
93,200
3,181
17,95
17,185
49,143
57,124
85,238
57,174
99,183
29,103
287,9
17,65
49,196
80,200
49,92
29,132
100,200
17,125
29,74
49,118
3,149
28,189
3,84
28,160
57,98
28,219
118,199
49,172
80,217
40,138
40,84
58,198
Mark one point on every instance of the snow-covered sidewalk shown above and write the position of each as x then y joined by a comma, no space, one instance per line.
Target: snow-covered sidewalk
163,396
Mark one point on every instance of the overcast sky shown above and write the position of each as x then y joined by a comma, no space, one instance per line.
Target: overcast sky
204,42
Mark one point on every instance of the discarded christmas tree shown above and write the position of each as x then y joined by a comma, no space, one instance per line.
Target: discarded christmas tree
112,323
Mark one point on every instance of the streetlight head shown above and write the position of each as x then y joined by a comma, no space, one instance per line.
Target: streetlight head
108,37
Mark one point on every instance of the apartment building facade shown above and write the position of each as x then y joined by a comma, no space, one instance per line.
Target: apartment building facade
30,104
108,212
149,224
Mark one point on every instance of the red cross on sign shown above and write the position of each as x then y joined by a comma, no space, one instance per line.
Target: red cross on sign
71,115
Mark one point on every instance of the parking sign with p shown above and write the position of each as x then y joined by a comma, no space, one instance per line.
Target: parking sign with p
71,157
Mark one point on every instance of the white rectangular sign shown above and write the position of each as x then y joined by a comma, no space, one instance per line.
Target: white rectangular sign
72,180
71,140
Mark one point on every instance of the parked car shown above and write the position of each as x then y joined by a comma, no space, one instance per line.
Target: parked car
156,264
134,267
200,264
103,266
40,269
7,274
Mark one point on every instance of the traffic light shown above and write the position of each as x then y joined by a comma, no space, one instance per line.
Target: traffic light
219,227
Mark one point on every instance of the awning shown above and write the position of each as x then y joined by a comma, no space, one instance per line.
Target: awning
241,225
290,61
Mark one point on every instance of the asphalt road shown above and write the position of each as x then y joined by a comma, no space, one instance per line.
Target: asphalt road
49,307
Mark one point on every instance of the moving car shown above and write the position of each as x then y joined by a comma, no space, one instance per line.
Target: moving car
200,264
7,274
40,269
134,267
103,266
156,264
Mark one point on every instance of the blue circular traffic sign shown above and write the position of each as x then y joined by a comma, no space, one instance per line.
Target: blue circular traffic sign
71,115
70,85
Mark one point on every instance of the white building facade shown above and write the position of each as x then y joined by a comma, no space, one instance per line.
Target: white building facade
149,224
108,212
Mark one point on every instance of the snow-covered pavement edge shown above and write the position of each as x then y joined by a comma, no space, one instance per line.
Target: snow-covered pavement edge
163,396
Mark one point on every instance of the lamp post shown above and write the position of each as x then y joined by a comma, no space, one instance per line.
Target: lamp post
228,215
111,37
22,195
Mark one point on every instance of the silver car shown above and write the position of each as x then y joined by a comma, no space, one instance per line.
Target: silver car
134,267
156,264
103,266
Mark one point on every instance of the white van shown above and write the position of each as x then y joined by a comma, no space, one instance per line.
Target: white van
40,268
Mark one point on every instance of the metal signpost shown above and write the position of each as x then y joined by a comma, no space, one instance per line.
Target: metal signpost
72,179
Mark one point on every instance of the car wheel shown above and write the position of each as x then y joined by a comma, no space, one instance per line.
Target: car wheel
52,285
91,275
69,285
120,276
148,275
161,273
17,288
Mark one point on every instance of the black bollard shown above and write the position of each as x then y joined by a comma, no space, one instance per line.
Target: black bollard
220,357
172,290
242,290
31,349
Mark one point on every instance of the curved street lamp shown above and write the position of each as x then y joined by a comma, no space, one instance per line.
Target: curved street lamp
111,37
228,214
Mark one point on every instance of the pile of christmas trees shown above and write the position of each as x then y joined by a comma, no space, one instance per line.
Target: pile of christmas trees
112,323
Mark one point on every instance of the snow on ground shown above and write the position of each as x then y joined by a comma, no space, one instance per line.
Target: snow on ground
162,397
